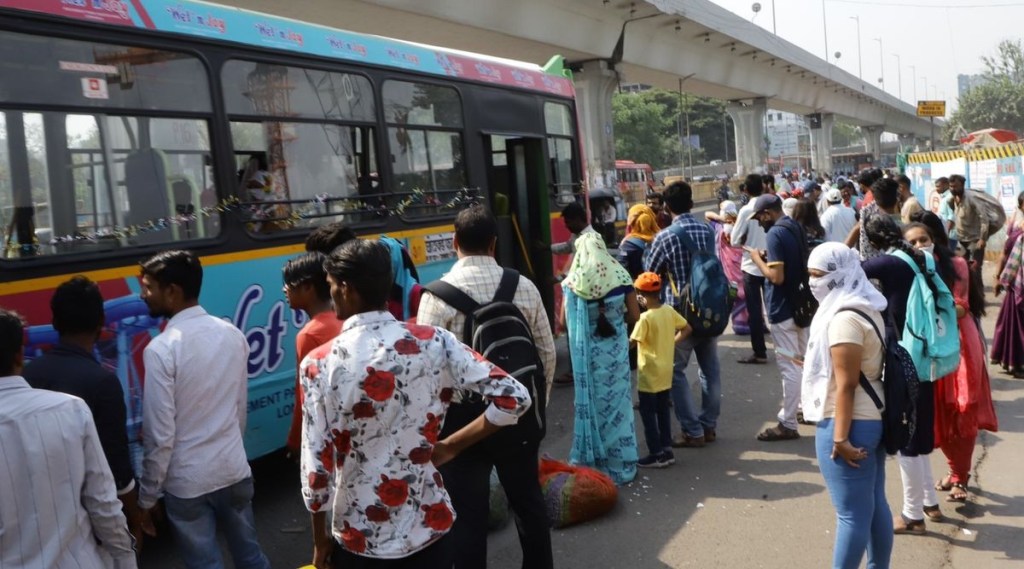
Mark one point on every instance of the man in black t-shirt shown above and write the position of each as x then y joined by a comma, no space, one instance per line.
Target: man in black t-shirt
784,267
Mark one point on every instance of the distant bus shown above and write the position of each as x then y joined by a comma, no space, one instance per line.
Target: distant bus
127,128
635,180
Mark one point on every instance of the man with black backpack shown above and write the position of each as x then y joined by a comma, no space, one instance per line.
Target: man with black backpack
684,253
483,303
784,265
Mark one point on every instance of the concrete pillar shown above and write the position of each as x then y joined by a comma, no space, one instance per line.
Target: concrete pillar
748,121
595,85
821,144
873,141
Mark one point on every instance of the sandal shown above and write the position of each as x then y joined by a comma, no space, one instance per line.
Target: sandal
945,483
777,433
957,493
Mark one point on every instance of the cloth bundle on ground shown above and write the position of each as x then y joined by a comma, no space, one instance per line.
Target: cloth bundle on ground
575,494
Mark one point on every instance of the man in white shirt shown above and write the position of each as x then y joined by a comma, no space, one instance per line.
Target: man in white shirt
838,220
194,412
514,452
746,232
58,503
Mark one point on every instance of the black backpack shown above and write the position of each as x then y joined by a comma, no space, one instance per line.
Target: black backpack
801,298
901,387
499,332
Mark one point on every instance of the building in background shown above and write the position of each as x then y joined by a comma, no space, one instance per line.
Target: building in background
967,82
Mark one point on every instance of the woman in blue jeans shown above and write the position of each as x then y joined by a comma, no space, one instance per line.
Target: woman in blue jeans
844,342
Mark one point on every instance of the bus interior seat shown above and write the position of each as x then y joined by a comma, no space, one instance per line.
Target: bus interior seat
187,201
145,179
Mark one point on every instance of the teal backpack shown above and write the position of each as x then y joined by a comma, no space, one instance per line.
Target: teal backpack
930,334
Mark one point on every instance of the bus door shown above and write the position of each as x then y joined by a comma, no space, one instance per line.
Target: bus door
518,193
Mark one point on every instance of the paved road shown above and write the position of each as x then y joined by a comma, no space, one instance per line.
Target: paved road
735,503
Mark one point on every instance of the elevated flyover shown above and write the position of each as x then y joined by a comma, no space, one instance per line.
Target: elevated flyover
710,50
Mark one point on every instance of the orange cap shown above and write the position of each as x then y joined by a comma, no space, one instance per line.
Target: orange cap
648,282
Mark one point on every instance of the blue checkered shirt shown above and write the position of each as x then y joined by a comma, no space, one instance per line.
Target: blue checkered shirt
669,255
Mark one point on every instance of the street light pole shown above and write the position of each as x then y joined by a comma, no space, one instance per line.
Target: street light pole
881,62
860,60
773,18
914,71
824,26
899,75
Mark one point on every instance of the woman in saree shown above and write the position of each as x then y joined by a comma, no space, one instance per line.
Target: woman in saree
1008,341
599,304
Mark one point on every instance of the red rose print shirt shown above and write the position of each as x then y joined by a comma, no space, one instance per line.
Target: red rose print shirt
375,399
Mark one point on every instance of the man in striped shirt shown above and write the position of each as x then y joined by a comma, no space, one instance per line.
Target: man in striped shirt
60,506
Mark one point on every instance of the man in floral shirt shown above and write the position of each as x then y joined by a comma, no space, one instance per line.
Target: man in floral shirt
375,401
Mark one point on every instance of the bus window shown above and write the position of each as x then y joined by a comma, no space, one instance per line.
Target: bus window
300,175
38,70
558,123
425,141
314,164
99,182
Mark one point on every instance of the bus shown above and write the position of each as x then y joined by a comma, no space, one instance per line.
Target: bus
635,181
127,128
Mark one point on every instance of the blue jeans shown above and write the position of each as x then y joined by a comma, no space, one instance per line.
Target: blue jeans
863,519
657,419
710,384
195,522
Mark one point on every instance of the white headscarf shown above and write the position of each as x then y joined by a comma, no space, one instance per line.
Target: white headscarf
844,286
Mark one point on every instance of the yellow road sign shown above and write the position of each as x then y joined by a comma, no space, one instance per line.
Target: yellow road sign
931,108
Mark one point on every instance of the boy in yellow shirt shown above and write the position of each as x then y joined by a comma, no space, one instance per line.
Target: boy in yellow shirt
654,335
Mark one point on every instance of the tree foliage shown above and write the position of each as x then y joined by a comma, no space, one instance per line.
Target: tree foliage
999,101
649,126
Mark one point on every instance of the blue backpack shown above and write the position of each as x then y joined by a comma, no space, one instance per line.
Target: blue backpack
930,333
706,301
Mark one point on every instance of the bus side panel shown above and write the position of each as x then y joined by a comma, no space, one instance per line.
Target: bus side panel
245,292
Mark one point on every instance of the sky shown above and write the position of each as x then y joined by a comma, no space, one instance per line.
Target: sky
938,38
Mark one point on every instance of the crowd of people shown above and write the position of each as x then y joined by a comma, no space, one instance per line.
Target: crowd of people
399,420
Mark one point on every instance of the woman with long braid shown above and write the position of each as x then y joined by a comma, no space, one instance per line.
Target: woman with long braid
896,277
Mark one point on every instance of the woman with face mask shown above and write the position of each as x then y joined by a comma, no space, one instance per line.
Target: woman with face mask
963,399
896,276
848,440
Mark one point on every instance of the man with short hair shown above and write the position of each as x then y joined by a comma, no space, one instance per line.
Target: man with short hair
668,255
747,233
306,289
376,398
785,267
70,367
971,222
513,453
194,413
657,204
910,203
58,501
575,218
838,220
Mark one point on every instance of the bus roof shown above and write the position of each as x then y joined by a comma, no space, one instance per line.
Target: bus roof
213,21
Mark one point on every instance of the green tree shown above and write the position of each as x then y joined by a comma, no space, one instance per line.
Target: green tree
649,126
844,135
999,101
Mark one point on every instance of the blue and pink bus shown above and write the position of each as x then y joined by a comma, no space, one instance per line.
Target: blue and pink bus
132,126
